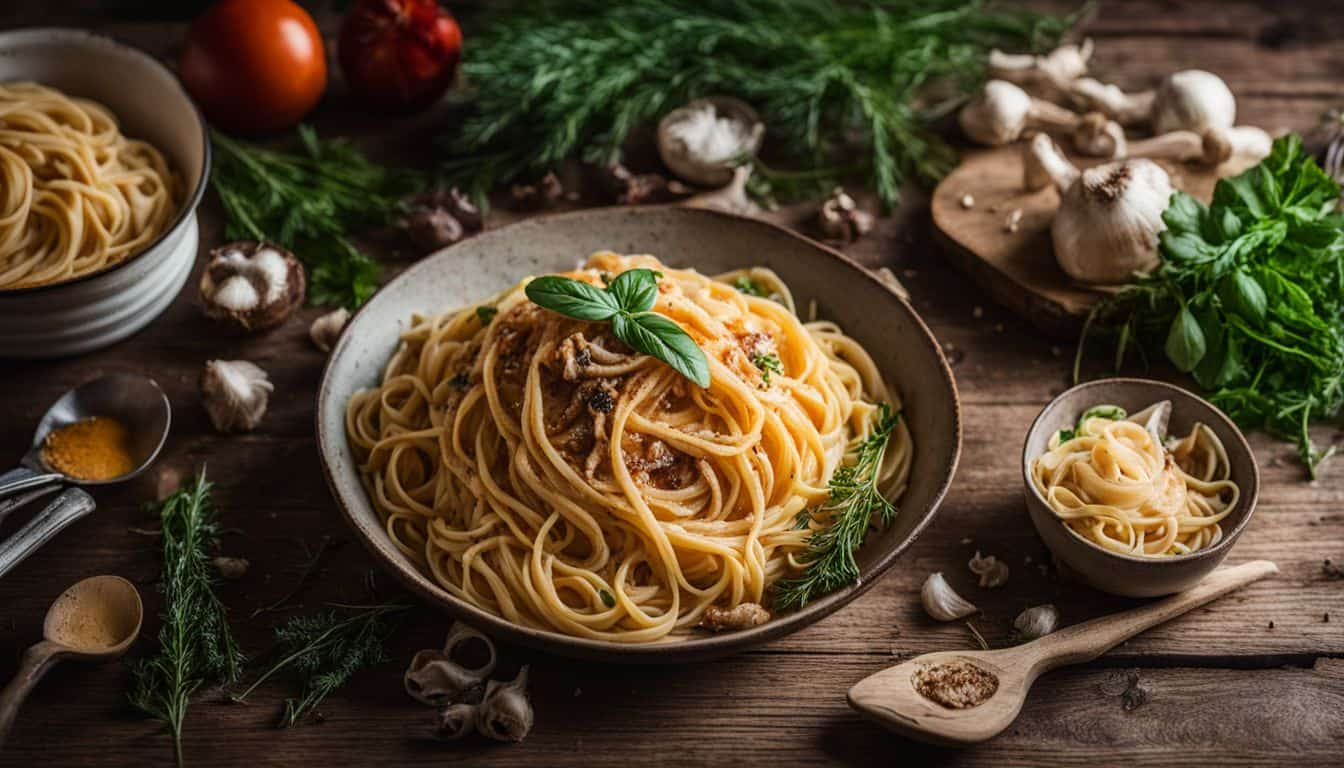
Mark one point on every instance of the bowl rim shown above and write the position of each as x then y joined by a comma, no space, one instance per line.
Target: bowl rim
190,202
662,651
1250,490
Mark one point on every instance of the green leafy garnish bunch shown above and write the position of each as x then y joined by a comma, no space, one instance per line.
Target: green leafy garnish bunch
1249,298
195,645
311,201
625,303
572,78
326,650
854,502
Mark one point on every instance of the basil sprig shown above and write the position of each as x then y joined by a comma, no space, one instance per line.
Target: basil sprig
625,303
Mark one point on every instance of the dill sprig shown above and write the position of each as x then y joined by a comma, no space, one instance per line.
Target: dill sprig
326,649
854,501
573,78
310,201
195,644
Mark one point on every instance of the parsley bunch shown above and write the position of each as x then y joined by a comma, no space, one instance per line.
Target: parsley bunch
311,201
1249,298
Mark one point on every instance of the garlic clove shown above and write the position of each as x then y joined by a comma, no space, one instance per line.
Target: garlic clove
941,602
326,329
992,571
1193,100
235,394
1043,165
252,285
1035,622
456,721
701,141
505,714
1107,226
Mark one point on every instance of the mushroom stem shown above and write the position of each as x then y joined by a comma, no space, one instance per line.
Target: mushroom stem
1044,164
1050,74
1002,112
1212,146
1108,99
1100,136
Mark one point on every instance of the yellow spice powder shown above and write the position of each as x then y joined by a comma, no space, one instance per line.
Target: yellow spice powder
96,448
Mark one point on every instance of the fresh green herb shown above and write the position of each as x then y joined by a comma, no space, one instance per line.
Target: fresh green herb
608,599
311,201
1249,298
567,78
195,644
1112,412
625,303
854,501
486,314
326,649
768,364
748,286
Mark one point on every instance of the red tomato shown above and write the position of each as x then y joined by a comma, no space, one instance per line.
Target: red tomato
399,55
254,66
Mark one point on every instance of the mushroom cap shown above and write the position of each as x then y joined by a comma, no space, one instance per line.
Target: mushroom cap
997,115
1193,100
252,285
1108,221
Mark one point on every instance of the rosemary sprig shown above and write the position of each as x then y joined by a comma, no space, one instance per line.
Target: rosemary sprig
326,650
195,644
310,201
846,516
569,78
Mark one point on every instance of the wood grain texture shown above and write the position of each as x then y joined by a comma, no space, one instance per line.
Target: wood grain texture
1217,691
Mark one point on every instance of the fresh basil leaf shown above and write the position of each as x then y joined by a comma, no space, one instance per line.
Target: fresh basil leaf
572,298
1184,214
1185,345
486,314
659,337
1185,248
636,290
1240,293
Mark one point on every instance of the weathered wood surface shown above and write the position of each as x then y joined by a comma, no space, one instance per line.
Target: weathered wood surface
1223,686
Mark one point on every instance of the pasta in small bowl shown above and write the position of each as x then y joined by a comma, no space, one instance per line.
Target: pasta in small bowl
1138,486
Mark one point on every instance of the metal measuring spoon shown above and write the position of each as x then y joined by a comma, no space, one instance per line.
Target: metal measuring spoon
94,620
135,401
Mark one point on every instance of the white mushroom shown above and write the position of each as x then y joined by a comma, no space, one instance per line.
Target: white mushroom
1099,136
252,285
505,714
941,602
1212,146
1189,100
1002,112
701,141
1044,164
235,394
443,677
1110,100
1049,75
1108,221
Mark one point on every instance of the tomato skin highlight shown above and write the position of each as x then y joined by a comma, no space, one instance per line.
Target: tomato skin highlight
254,66
399,55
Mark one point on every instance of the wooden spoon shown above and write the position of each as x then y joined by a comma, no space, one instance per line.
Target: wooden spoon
94,620
993,684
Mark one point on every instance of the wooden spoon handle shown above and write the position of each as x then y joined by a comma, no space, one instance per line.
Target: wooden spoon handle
36,661
1086,641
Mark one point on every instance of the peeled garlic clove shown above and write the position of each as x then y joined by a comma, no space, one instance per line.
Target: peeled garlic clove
992,571
505,714
235,394
1035,622
1154,418
942,602
456,721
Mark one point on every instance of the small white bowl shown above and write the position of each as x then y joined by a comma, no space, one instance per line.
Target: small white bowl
96,310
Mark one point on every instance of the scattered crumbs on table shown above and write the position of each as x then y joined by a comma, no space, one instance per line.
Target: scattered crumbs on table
967,201
967,540
1271,624
1014,221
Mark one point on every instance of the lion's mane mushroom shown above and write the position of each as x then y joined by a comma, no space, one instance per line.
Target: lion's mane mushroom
252,285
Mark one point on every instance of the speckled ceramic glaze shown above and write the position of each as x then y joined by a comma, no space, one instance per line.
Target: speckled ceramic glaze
1127,575
96,310
711,242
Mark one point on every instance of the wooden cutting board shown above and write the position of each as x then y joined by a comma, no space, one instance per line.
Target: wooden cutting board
1018,268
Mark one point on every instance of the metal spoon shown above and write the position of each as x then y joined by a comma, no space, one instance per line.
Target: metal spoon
95,620
135,401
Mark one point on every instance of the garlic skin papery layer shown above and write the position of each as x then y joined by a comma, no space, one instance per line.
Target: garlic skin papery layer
1108,222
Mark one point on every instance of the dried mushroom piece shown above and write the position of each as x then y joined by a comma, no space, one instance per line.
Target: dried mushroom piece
505,714
740,616
235,394
992,571
456,721
438,678
252,285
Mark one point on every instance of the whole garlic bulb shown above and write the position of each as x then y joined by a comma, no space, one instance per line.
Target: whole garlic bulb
1193,100
1108,221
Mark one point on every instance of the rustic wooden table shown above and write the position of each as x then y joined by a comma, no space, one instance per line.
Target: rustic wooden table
1256,678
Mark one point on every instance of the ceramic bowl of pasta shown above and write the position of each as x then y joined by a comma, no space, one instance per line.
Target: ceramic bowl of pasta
1138,487
643,434
103,159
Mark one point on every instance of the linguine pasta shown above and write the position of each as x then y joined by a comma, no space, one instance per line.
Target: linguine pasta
1114,482
536,467
76,195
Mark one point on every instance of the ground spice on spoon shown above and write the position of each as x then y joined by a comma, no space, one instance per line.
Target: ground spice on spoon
96,448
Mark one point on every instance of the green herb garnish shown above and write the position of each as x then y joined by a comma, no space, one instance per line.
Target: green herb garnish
486,314
195,645
311,201
326,649
840,85
749,287
625,303
1112,412
854,501
768,364
1249,298
608,599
